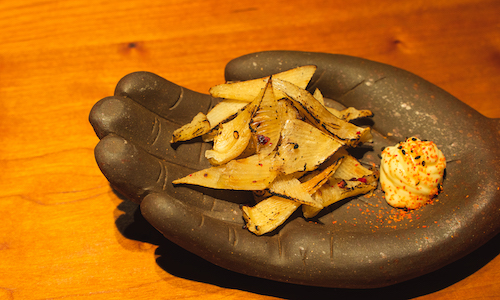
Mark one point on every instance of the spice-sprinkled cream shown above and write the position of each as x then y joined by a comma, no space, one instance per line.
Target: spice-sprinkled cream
411,173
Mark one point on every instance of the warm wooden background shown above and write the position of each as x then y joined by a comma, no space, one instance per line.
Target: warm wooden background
64,234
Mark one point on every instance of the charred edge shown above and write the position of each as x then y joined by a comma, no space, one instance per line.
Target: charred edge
287,197
199,131
331,126
253,128
315,118
320,183
305,107
358,187
323,125
327,177
284,196
343,141
226,120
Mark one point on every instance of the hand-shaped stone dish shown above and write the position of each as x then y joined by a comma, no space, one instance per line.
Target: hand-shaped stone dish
360,243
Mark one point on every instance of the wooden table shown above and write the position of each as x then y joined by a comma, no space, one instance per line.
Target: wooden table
65,234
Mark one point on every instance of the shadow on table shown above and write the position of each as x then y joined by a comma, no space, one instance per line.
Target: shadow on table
132,225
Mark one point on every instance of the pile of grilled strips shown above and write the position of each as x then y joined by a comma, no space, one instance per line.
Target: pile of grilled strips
273,137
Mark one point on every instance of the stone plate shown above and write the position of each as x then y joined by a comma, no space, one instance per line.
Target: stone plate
362,242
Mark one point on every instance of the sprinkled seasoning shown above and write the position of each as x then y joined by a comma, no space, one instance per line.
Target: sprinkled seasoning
262,139
342,184
362,179
412,179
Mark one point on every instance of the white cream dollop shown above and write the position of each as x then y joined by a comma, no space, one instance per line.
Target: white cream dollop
411,173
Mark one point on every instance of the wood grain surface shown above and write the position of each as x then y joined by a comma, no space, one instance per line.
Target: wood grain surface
65,234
